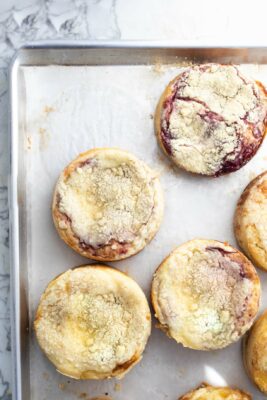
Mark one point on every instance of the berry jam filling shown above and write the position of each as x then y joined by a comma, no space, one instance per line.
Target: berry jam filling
89,161
231,258
165,131
210,117
222,251
121,247
246,152
242,312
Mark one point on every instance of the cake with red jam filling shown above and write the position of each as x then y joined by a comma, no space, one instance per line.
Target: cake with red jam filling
211,119
208,392
107,204
93,322
205,294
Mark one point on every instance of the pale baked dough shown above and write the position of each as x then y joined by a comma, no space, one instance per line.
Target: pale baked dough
107,204
93,322
205,294
255,353
207,392
250,221
211,119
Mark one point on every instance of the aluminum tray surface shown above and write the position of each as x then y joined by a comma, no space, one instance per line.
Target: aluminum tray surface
66,100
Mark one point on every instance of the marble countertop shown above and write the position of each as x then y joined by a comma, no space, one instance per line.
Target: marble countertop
192,21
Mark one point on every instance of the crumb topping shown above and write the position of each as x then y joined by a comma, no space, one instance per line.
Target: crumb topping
211,114
108,198
203,294
92,319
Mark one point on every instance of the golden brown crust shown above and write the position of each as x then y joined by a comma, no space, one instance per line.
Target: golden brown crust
250,220
113,250
255,353
221,291
85,342
208,392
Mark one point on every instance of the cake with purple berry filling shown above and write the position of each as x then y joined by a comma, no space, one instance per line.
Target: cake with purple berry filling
205,294
107,204
211,119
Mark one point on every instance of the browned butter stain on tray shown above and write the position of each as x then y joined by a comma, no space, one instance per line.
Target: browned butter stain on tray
44,138
48,109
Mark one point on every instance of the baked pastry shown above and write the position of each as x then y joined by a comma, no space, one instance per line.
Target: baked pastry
205,294
211,119
250,221
93,322
255,352
207,392
107,204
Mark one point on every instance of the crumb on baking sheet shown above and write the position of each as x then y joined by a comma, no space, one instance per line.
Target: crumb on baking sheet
158,67
29,142
151,116
48,109
117,387
45,376
44,138
61,386
184,63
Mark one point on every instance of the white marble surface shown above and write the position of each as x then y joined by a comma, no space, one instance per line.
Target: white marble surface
192,21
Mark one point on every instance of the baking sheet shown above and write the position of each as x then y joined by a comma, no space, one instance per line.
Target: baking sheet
68,110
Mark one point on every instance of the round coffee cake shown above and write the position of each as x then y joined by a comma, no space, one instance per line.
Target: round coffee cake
107,204
205,294
211,119
93,322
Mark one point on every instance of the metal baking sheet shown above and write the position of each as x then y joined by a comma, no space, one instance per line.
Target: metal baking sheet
66,99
